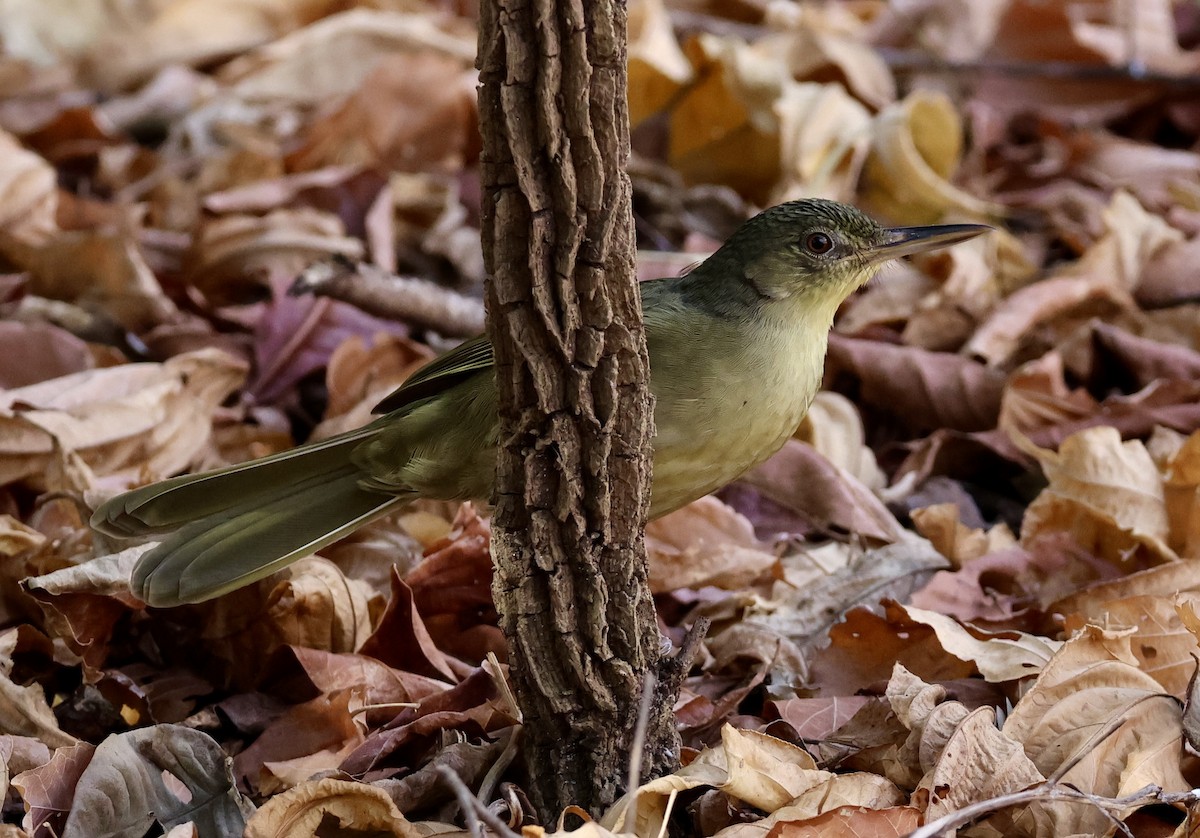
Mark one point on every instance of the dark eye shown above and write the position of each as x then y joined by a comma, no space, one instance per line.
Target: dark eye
818,243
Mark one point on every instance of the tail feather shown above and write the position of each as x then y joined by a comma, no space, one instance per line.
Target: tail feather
216,554
169,504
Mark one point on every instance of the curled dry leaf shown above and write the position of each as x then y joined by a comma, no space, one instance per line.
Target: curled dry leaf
332,57
704,543
657,66
761,771
916,387
100,270
834,428
824,135
916,147
954,539
723,126
28,196
802,481
133,423
228,249
1107,493
1093,713
166,774
1000,656
309,809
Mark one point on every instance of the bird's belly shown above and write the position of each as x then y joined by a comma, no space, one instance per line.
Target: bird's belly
703,444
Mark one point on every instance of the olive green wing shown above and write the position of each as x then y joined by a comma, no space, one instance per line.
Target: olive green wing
457,365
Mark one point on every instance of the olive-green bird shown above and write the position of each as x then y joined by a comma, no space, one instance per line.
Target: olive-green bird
736,347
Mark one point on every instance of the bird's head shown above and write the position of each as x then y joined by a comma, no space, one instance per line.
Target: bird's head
816,249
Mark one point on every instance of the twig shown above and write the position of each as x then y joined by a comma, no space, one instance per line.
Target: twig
394,297
391,705
1044,792
915,61
492,778
470,804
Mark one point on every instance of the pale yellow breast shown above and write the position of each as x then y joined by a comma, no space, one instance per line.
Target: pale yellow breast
733,412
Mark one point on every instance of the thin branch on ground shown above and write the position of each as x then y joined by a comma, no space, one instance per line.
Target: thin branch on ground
403,298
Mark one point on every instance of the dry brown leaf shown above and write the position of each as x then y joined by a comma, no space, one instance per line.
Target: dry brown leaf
359,376
755,768
34,352
24,712
834,428
1161,643
865,649
1107,493
824,134
802,481
100,270
724,128
658,69
978,762
309,738
853,822
820,586
228,249
704,543
309,809
920,389
414,112
1181,489
1000,656
955,540
862,791
28,195
1094,710
1058,304
48,790
131,424
332,57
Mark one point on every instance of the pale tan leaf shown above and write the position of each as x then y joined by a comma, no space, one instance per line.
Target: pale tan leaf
1162,645
916,147
979,762
28,195
658,69
1000,656
348,807
834,428
1107,493
134,422
331,57
1094,711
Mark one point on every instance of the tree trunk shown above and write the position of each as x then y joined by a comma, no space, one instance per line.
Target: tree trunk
564,316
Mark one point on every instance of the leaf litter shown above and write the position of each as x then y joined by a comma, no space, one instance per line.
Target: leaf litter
963,598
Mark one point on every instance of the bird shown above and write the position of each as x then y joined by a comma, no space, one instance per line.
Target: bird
736,348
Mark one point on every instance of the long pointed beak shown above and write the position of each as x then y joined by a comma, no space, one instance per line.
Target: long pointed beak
903,241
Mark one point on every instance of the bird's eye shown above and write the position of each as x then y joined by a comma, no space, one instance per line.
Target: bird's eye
818,243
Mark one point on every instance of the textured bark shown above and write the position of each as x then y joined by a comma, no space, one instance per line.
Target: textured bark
575,409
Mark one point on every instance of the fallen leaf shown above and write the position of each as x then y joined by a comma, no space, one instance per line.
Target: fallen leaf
704,543
165,774
307,810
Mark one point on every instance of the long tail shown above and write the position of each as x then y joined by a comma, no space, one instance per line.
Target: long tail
238,524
